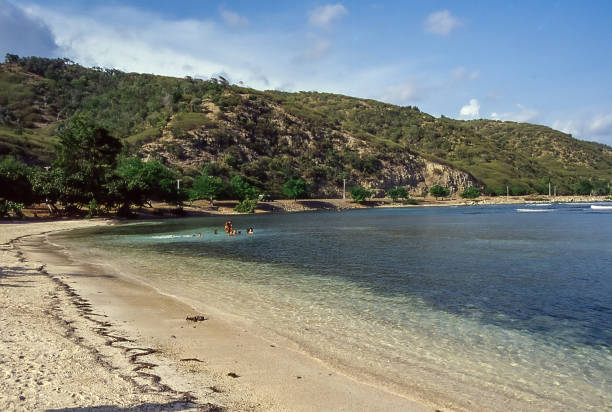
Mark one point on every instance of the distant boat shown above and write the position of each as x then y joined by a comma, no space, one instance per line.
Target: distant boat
601,207
534,210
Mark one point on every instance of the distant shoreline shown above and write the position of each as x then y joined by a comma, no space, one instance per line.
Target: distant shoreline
203,208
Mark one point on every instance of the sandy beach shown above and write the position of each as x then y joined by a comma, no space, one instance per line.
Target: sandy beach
76,337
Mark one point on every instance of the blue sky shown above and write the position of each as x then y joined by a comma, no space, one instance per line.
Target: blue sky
543,62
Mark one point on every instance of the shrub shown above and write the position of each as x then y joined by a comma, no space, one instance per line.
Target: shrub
7,206
93,209
439,191
359,194
471,192
246,206
397,192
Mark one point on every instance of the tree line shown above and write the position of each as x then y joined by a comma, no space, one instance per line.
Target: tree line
92,171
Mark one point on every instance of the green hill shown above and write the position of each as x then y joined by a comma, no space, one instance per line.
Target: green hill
268,136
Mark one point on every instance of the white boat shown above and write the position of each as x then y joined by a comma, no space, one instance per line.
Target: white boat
601,207
534,210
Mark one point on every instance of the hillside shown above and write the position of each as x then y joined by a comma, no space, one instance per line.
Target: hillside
268,136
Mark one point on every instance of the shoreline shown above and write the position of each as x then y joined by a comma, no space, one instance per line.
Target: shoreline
203,208
141,339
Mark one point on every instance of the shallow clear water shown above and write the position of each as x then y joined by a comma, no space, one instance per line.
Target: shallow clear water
465,305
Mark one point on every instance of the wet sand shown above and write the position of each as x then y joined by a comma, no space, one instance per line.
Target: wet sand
78,336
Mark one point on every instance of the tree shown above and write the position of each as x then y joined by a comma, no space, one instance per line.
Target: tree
137,182
87,154
471,192
242,189
294,188
15,181
396,193
11,58
49,186
359,194
518,191
206,187
439,191
584,188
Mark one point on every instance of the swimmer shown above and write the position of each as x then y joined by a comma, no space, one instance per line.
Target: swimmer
216,232
199,234
250,231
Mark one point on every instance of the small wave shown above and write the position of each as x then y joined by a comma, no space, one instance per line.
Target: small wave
534,210
171,236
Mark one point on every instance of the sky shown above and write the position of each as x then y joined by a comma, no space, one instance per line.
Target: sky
545,62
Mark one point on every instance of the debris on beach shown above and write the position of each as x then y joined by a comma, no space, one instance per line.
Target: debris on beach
197,318
191,360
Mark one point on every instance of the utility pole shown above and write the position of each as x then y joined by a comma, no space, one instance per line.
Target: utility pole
555,190
507,192
343,189
549,188
178,184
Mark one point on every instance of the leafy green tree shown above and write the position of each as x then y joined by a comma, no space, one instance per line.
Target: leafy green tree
11,58
471,192
396,193
87,154
359,194
518,191
15,182
439,191
584,188
206,187
49,186
137,182
242,189
294,188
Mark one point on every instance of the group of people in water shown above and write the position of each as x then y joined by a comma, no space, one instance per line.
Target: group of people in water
231,231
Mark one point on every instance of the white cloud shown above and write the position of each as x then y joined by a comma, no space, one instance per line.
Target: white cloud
133,40
470,110
523,114
324,16
601,125
461,73
24,34
403,94
567,126
441,22
232,18
317,50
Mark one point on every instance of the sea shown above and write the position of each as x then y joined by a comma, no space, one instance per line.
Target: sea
476,307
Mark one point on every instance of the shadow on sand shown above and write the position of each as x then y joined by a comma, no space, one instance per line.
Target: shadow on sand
10,274
145,407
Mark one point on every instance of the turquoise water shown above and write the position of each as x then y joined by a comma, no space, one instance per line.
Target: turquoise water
473,307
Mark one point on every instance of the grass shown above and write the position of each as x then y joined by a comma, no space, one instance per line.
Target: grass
33,145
